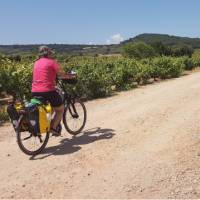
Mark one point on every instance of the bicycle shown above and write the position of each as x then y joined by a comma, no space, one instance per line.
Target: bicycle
74,114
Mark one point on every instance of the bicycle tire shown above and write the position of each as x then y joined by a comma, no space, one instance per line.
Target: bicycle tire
67,112
28,151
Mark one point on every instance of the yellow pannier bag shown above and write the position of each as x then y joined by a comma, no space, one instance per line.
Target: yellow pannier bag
45,114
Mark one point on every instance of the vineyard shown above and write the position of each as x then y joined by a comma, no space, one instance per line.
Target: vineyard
97,76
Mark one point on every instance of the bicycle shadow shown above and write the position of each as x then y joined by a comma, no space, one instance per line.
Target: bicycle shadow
68,146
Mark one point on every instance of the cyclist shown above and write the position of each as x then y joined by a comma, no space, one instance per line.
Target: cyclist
44,83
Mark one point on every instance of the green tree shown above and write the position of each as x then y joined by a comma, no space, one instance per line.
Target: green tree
182,50
138,50
161,49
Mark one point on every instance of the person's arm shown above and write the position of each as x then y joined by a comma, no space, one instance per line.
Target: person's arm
64,75
61,73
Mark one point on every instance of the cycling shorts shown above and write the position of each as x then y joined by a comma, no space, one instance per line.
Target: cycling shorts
53,97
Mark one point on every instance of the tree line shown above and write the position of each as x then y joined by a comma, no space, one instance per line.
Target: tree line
141,50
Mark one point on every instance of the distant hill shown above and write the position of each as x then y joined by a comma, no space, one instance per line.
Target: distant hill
70,49
165,39
61,48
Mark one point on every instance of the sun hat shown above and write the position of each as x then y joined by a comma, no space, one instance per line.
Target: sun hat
45,51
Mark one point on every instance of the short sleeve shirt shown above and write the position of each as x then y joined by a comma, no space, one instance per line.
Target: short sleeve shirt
44,75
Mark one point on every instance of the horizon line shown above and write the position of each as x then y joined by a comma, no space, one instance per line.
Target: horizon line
93,44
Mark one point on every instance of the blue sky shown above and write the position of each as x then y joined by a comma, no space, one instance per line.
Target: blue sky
94,21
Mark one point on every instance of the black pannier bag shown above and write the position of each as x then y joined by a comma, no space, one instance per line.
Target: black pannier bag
33,117
13,115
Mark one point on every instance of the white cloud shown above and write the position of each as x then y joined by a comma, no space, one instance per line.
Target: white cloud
115,39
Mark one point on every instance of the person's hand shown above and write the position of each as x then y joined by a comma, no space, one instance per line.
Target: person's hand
69,75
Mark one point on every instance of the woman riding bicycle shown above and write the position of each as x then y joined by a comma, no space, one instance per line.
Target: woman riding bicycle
44,83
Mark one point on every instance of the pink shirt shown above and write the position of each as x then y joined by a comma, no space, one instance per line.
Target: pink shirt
44,75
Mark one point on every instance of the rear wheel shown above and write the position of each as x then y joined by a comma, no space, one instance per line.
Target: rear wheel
28,142
75,116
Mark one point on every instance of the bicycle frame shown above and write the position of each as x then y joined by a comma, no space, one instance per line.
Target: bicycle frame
68,100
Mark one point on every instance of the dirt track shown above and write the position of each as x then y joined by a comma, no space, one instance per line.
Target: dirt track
143,143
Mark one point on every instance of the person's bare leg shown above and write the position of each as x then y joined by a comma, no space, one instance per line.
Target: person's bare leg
57,117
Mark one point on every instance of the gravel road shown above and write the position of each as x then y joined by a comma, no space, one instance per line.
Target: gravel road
143,143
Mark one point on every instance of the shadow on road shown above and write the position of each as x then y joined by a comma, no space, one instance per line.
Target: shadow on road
68,146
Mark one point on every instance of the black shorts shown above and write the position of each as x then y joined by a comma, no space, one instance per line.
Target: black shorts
53,97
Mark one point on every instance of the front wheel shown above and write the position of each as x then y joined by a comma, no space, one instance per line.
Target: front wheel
28,142
74,117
